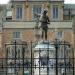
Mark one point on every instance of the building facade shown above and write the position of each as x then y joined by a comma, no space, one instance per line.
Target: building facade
20,21
23,20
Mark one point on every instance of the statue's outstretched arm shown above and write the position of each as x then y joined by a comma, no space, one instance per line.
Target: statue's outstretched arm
37,15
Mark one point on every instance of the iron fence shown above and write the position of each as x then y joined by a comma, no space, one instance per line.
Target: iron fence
23,59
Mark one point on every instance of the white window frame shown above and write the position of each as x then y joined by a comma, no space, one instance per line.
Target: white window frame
61,52
19,47
16,12
55,17
11,49
57,36
11,71
16,35
38,13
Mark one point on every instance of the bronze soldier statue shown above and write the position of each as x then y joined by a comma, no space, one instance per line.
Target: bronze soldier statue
44,23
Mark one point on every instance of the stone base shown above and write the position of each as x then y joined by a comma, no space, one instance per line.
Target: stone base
41,41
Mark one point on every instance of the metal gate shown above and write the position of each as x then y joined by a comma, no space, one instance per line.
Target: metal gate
20,59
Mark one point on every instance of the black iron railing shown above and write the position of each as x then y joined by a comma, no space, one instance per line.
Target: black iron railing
26,65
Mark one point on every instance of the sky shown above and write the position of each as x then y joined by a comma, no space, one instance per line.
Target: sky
66,1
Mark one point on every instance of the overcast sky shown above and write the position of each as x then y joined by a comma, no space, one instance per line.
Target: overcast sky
66,1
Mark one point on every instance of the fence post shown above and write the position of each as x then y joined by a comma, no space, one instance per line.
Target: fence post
64,58
48,59
15,55
6,59
23,58
56,47
73,60
31,60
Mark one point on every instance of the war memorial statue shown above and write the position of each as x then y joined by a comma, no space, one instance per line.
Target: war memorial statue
44,19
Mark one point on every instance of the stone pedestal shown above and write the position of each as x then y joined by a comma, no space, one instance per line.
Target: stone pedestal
42,51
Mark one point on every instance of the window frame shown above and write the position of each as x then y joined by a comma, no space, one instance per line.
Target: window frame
33,18
58,36
15,35
55,11
19,11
